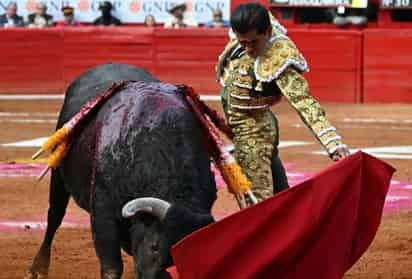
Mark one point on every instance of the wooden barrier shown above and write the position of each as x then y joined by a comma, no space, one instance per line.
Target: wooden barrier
90,46
387,65
31,62
346,65
335,63
189,56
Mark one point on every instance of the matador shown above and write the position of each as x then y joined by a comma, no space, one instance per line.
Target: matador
259,65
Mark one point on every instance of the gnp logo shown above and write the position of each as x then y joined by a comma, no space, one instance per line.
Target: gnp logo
161,6
208,6
54,6
134,6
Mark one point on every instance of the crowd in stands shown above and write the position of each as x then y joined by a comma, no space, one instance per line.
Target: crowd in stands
343,17
40,18
340,16
10,18
178,17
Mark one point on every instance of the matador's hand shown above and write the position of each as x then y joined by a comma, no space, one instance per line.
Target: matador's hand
340,153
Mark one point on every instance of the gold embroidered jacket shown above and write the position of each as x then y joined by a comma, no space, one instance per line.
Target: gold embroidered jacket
255,84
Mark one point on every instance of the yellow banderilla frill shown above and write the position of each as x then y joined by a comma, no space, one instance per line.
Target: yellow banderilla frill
59,137
58,145
55,158
236,181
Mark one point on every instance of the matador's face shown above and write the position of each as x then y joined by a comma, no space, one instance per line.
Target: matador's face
253,42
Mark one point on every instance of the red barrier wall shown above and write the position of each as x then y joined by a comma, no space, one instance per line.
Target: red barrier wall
189,56
45,61
90,46
334,59
387,65
31,61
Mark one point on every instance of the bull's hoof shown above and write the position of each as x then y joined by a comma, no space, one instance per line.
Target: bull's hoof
35,275
111,274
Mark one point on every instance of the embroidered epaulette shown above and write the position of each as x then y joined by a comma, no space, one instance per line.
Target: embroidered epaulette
223,57
278,56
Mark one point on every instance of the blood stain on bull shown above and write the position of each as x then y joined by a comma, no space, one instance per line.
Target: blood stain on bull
138,166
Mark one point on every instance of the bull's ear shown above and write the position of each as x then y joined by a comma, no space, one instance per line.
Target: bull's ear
153,206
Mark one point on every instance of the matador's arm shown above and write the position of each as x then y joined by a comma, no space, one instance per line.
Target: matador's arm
296,90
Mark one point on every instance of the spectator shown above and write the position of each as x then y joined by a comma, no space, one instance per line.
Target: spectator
316,15
40,18
106,18
344,17
68,14
149,21
179,18
10,18
402,15
218,20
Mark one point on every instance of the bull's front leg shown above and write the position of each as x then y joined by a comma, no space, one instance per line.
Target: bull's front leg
106,236
58,201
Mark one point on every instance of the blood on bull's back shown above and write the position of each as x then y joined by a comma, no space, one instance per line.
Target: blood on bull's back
138,165
95,81
144,141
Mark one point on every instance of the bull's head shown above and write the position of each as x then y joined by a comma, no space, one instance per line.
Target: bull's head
157,225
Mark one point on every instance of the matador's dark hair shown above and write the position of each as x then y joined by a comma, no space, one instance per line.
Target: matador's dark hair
248,17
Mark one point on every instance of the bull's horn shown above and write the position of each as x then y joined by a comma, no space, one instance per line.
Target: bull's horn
153,206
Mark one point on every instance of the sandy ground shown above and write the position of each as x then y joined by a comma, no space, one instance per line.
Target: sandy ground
73,256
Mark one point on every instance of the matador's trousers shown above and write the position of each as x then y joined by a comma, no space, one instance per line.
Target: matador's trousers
255,140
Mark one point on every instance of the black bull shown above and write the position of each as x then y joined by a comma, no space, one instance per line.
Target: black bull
143,142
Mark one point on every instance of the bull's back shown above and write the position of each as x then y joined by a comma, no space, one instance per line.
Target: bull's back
78,167
96,81
144,141
151,144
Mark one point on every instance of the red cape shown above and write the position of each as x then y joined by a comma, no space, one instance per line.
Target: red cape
317,229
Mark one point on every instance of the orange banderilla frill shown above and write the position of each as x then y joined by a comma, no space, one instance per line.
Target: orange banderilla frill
237,182
55,158
59,143
57,138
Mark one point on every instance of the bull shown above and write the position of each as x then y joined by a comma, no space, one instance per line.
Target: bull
138,166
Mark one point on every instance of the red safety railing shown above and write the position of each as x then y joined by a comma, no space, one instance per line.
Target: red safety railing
346,65
387,65
335,63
